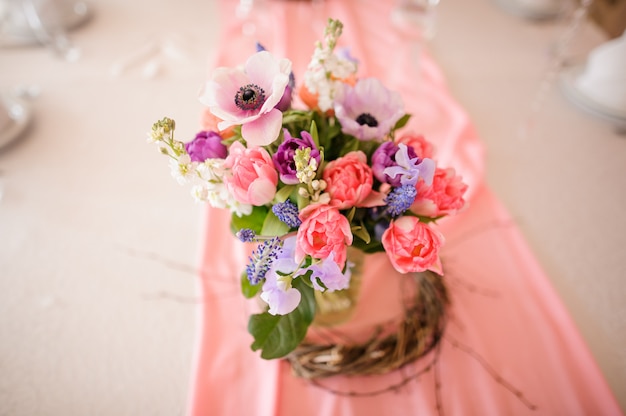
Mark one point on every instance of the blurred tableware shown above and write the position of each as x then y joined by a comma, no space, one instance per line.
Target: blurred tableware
15,115
44,22
417,17
534,9
599,84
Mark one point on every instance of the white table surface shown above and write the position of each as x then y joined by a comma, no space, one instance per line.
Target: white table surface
98,244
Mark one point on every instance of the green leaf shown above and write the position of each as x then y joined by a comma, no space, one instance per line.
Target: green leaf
284,192
350,214
314,135
249,291
302,201
278,335
402,122
272,226
350,145
361,232
254,221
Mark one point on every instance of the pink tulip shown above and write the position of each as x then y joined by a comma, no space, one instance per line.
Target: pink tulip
443,197
422,147
412,246
349,180
324,230
253,178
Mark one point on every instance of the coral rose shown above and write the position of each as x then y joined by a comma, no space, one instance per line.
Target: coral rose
323,231
412,246
443,197
253,178
349,180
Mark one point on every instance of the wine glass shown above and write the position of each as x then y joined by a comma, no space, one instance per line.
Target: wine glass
416,17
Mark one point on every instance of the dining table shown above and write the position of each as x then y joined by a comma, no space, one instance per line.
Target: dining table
119,292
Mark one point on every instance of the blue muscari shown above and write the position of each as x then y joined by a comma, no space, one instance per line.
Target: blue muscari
246,235
287,212
261,259
400,199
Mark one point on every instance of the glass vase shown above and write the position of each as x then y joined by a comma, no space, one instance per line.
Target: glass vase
335,308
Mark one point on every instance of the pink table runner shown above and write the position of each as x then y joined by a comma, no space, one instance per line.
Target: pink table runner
510,346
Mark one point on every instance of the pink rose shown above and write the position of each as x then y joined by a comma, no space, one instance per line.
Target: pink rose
323,231
443,197
253,178
412,246
423,148
349,180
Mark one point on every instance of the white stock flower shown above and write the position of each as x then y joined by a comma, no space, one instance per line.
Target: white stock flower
183,170
324,74
211,170
240,209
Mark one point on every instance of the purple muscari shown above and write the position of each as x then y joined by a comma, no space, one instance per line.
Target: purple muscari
287,212
400,199
283,158
206,145
246,235
262,258
409,169
329,274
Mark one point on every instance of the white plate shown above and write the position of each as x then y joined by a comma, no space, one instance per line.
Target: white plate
19,117
567,82
17,32
517,8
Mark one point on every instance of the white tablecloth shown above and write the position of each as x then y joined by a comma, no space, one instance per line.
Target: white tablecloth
98,244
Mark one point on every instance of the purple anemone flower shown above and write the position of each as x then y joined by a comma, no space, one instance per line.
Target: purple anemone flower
206,145
283,158
368,110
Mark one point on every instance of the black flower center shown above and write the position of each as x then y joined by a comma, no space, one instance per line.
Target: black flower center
250,97
367,118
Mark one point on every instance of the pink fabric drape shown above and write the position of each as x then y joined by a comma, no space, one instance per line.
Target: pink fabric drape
510,346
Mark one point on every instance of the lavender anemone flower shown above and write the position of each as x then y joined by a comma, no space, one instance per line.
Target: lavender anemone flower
248,96
206,145
283,158
368,110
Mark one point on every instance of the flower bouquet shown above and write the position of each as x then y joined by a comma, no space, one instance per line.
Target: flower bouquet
311,185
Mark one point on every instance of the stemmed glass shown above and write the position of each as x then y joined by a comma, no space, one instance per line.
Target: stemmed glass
417,17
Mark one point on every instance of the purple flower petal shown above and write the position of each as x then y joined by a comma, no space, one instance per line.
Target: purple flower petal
329,273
